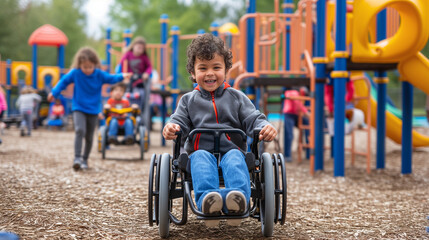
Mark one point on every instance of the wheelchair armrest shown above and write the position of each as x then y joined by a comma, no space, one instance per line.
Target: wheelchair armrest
254,144
177,144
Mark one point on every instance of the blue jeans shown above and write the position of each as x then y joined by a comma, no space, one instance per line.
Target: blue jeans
291,120
205,175
27,120
114,126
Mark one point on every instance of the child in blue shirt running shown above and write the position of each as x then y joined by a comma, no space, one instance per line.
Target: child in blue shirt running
88,79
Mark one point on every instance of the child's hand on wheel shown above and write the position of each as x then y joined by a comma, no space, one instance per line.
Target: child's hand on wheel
268,133
169,131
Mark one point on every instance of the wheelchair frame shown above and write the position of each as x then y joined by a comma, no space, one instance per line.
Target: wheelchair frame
141,127
138,130
268,185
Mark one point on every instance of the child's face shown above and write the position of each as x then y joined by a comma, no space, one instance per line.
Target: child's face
117,93
138,49
87,67
210,74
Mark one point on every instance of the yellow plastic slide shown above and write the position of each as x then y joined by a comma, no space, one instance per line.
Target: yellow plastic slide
393,123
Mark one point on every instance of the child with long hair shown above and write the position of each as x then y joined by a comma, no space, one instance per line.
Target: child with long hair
137,61
26,103
88,79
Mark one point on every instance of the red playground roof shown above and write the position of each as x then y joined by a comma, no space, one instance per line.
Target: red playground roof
48,35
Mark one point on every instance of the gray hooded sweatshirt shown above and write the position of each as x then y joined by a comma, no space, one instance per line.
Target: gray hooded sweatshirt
226,107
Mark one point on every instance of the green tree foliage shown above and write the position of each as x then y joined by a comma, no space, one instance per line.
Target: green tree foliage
9,9
63,14
142,17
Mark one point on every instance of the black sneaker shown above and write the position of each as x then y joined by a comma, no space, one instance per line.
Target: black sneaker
212,206
22,133
112,140
76,163
129,140
235,202
84,164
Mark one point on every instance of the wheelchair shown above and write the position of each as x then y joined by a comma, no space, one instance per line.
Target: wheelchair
169,180
140,95
139,130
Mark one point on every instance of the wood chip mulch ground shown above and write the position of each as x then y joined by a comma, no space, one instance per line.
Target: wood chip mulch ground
41,197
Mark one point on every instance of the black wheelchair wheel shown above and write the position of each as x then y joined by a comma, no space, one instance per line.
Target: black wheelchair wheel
151,194
164,199
99,147
103,141
277,212
267,201
142,133
283,190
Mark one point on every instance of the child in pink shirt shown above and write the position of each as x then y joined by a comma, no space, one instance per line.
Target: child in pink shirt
136,61
292,108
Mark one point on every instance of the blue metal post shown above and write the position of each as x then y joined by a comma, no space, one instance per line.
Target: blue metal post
381,80
287,8
340,75
175,32
34,66
407,125
214,27
127,36
320,86
61,57
164,36
250,91
108,47
8,84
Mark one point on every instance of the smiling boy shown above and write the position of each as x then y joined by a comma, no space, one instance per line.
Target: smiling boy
214,104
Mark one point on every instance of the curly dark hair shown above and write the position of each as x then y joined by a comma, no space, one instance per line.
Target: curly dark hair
204,47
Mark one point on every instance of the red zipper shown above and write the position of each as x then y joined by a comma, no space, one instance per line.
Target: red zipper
214,106
197,138
197,141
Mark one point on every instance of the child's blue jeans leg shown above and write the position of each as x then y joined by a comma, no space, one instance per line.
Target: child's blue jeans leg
113,127
235,174
128,126
205,175
290,121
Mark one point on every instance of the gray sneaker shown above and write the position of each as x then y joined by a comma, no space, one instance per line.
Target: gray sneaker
212,206
84,164
76,163
235,202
